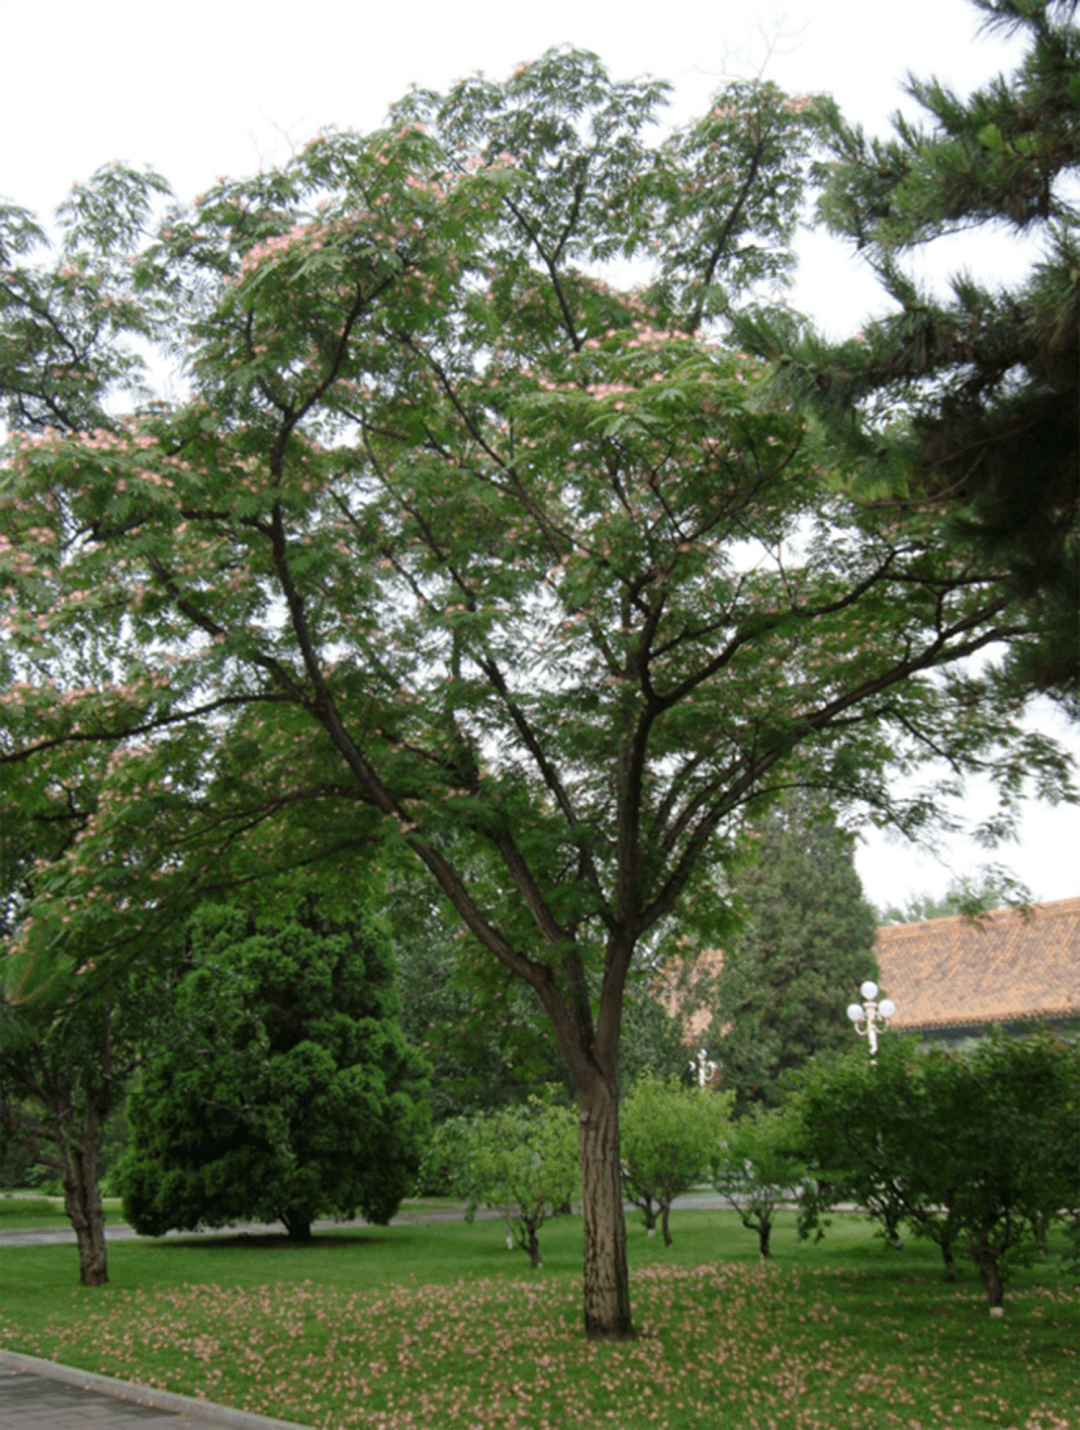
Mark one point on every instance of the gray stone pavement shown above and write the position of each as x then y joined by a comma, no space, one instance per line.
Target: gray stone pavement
120,1231
64,1236
39,1395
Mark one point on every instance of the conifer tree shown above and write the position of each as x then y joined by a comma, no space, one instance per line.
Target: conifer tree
970,403
281,1087
805,947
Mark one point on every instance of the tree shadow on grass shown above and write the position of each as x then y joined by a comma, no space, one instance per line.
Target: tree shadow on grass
263,1241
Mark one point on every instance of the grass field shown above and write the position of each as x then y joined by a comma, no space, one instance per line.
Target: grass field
436,1325
42,1213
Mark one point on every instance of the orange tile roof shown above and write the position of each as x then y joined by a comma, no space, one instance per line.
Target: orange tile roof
1002,968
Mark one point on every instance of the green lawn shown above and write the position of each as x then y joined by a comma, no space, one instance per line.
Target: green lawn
21,1212
437,1325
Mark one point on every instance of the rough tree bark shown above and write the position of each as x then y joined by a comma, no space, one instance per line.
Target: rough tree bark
71,1087
607,1278
82,1195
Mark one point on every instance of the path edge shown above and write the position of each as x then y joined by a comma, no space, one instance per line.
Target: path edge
144,1394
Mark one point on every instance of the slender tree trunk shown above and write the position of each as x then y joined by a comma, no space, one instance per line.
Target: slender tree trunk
991,1274
650,1213
82,1199
665,1208
532,1245
764,1232
948,1239
607,1279
949,1259
892,1215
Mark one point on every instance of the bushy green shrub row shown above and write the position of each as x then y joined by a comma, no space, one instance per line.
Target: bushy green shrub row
976,1149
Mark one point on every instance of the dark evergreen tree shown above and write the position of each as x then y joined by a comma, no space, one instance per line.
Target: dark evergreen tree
282,1086
805,946
971,404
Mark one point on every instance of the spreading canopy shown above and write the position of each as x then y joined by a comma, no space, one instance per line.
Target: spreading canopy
460,548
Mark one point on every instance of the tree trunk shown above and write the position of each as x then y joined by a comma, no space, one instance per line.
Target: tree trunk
991,1275
82,1201
893,1215
764,1232
949,1260
607,1280
532,1245
297,1226
947,1255
665,1208
650,1213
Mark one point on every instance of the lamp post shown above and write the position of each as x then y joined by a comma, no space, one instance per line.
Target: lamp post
703,1069
869,1017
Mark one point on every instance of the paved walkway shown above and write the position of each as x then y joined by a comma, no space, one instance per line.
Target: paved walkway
65,1236
120,1231
38,1395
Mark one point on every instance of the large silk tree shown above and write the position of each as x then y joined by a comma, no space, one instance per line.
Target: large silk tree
462,549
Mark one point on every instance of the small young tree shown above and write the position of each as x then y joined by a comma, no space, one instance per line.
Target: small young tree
979,1146
66,1056
669,1134
858,1167
758,1167
281,1086
524,1161
1000,1147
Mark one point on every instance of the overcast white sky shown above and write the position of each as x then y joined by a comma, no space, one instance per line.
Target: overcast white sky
201,88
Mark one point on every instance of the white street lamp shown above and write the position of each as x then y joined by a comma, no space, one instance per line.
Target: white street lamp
869,1017
703,1069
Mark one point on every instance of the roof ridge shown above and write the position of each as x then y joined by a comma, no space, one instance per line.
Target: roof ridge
1028,1015
1051,909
